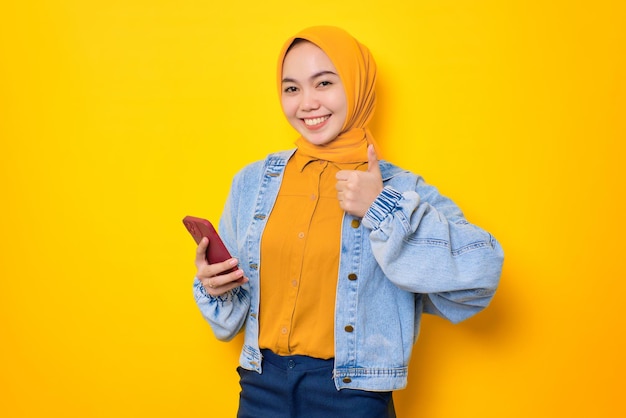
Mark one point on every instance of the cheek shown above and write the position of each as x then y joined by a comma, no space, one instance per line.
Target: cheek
340,108
339,102
289,106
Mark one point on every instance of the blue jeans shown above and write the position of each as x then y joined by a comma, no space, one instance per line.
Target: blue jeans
301,386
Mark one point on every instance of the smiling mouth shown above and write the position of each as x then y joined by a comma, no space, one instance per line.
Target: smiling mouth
311,122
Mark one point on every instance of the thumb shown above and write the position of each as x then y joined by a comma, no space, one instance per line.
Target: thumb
372,160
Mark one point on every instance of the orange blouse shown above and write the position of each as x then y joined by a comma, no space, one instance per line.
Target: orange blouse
300,258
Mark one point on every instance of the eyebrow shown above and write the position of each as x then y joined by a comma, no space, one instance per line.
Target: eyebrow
313,77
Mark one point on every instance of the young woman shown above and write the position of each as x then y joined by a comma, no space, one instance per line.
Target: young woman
339,253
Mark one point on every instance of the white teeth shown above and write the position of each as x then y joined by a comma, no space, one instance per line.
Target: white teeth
315,121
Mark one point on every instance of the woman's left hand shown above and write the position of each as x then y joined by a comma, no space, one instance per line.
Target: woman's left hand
357,190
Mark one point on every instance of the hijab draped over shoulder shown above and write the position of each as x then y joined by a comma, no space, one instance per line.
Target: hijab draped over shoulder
357,71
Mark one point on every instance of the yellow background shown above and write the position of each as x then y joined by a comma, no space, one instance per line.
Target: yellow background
118,118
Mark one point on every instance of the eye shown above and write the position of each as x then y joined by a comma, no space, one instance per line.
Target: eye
290,89
325,83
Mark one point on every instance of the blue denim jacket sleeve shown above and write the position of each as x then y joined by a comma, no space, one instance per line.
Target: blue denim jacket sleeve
226,313
423,244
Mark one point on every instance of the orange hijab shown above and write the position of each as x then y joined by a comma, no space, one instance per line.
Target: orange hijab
357,71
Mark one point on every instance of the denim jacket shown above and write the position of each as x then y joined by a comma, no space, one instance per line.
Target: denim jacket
412,252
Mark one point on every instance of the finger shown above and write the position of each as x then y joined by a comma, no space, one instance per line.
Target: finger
201,251
372,160
226,265
223,279
343,174
207,271
220,290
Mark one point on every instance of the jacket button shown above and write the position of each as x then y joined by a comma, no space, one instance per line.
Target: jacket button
346,380
355,223
349,328
352,276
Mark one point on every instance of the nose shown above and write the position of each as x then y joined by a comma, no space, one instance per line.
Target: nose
309,100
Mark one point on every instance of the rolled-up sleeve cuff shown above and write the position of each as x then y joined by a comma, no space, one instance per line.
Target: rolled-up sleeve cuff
200,293
384,204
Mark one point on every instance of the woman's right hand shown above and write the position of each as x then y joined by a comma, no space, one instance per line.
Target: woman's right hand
212,276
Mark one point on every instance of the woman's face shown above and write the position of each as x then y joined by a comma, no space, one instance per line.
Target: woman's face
313,98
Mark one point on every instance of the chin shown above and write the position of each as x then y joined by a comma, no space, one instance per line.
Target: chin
320,142
319,139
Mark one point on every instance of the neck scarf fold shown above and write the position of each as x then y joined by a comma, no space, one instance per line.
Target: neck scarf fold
357,71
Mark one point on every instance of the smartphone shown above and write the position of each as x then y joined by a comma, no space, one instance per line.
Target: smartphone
216,251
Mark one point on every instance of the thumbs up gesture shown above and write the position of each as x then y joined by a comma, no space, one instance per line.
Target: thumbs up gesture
357,190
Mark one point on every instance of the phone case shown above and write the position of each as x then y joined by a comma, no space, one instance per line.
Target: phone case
199,228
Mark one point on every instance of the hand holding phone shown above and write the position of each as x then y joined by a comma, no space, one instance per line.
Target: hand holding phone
216,251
